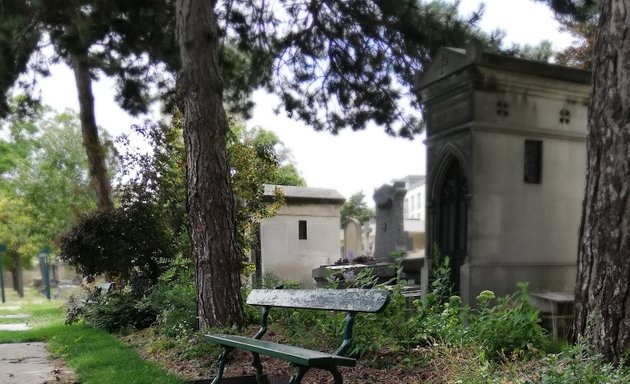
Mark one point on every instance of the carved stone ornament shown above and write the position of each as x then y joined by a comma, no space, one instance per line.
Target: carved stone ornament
503,109
565,116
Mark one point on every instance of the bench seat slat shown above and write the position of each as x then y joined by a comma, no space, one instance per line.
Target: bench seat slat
297,355
351,300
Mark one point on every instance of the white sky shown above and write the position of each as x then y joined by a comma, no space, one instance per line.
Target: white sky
350,161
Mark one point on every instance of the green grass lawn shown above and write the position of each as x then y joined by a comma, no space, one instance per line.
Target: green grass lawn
94,355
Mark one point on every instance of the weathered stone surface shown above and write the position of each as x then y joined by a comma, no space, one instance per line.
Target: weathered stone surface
24,363
352,240
390,236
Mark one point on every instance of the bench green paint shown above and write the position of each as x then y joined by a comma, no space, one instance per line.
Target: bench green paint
351,301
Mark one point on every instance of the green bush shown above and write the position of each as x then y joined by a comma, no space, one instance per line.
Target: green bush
114,312
440,317
118,311
174,300
511,326
578,364
323,330
122,243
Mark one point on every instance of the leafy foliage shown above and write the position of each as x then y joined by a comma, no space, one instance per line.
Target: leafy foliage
343,64
17,232
117,311
130,41
55,178
509,327
580,365
123,243
45,186
173,299
18,40
541,52
334,65
579,18
355,207
289,175
157,178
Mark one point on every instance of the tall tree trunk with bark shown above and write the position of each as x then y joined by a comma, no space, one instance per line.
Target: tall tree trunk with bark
93,148
209,193
603,281
18,275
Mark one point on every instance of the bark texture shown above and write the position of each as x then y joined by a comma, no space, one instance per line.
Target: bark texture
603,281
93,148
18,276
209,193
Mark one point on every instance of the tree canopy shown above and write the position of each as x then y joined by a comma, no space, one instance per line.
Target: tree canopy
45,184
580,19
355,207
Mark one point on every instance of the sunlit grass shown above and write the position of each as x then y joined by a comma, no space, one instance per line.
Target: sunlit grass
98,357
94,355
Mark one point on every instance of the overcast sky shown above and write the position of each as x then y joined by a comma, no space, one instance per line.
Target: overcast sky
350,161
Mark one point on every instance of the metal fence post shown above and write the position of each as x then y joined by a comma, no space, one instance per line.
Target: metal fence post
43,264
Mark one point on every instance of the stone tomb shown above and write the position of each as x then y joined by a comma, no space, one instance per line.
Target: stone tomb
506,169
390,235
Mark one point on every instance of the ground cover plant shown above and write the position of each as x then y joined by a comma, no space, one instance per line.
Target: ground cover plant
437,340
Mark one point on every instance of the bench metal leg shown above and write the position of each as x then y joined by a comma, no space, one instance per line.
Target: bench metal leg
297,378
222,360
259,369
336,375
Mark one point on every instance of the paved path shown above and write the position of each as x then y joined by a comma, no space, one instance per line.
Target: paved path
15,316
25,363
15,326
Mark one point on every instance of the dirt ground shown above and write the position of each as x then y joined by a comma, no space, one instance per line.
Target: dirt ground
386,367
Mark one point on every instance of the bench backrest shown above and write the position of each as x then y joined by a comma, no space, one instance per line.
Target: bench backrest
349,300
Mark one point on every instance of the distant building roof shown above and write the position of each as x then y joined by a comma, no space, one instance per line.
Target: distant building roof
413,181
305,194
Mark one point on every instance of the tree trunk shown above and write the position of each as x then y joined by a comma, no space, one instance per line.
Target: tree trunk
93,148
603,283
209,193
18,275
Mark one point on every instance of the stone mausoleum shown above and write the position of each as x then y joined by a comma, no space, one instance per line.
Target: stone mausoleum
303,234
506,144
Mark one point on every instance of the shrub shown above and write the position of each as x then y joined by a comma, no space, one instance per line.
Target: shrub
174,299
120,243
114,312
578,365
510,326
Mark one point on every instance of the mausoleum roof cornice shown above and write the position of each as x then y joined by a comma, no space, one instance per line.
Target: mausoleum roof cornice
304,195
459,68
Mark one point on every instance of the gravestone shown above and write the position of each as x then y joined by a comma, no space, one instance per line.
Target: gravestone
368,237
389,236
352,240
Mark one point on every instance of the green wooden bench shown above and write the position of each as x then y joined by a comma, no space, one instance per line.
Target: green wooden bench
352,301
